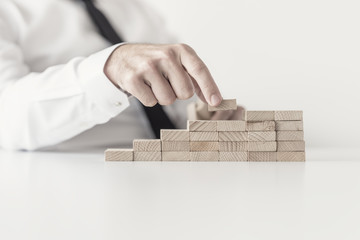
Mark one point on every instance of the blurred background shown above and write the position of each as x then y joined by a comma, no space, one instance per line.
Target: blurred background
281,55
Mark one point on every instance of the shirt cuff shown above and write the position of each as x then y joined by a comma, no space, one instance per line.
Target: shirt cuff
103,93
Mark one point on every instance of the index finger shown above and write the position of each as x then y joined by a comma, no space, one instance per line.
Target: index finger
197,69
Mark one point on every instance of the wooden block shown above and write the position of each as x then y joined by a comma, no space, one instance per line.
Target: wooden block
119,155
198,111
204,136
233,146
233,156
262,156
289,115
202,126
147,145
175,156
289,126
226,104
256,116
291,156
147,156
204,156
202,111
262,146
294,146
290,135
231,126
179,146
260,126
174,135
262,136
233,136
204,146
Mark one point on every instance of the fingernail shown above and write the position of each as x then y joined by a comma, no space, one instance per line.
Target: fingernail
215,100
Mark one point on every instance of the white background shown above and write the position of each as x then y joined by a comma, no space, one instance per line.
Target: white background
269,55
281,55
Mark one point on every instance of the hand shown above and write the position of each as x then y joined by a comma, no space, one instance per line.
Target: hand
161,74
229,115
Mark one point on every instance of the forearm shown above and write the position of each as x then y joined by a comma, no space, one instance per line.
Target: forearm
42,109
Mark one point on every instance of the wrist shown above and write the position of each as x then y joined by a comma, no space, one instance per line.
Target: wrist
110,67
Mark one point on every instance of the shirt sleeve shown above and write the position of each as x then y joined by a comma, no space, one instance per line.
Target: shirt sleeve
43,109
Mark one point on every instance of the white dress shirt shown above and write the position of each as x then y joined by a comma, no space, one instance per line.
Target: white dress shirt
53,91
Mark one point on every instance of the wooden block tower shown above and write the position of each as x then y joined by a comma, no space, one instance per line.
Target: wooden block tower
262,136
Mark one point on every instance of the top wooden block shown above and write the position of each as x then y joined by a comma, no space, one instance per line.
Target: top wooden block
147,145
226,104
256,116
174,135
288,115
202,126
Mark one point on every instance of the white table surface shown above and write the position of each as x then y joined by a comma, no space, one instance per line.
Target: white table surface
79,196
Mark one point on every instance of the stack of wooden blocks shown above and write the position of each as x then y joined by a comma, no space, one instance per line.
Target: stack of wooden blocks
261,136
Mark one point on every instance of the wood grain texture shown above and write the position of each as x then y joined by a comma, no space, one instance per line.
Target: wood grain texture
262,156
174,135
147,156
204,146
294,146
289,126
289,115
226,104
256,116
202,126
290,135
260,126
291,156
262,136
176,156
119,155
231,126
178,146
233,136
233,156
204,136
233,146
147,145
262,146
204,156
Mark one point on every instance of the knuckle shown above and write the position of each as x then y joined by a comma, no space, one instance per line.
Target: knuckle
185,47
199,67
186,94
147,65
168,54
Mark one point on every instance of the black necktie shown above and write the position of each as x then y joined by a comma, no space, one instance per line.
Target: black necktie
156,115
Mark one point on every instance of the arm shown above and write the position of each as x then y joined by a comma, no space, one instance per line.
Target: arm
42,109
